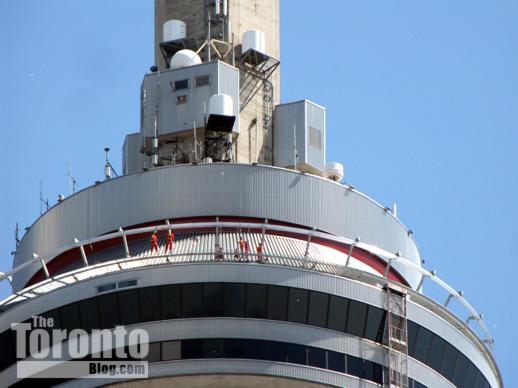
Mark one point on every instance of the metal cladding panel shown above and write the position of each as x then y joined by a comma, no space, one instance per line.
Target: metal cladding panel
315,126
287,119
215,190
132,158
244,370
309,121
179,108
228,83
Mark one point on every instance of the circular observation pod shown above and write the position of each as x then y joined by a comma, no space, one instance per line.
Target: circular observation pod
173,30
221,104
254,39
334,171
184,58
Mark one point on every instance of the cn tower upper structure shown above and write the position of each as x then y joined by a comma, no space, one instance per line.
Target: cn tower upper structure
234,243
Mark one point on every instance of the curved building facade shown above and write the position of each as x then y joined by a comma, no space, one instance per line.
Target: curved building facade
277,275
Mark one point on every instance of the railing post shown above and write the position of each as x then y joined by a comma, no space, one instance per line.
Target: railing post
310,235
125,241
353,244
43,265
82,250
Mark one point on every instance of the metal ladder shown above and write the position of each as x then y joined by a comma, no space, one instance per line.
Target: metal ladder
397,338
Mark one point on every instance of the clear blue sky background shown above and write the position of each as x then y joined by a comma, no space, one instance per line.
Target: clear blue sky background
422,109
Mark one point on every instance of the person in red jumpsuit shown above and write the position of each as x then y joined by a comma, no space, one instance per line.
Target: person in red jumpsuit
154,242
260,253
169,240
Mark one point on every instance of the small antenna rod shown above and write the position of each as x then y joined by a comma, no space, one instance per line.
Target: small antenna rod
43,201
16,236
72,183
154,145
108,167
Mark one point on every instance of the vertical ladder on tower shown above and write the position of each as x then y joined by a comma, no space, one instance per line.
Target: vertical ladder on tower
397,337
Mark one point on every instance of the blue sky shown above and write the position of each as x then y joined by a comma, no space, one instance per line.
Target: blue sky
422,109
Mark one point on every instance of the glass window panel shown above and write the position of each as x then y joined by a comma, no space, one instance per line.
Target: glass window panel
89,314
149,304
108,311
256,301
212,348
481,381
460,370
234,300
471,375
234,348
450,360
337,313
192,300
375,324
153,354
70,317
129,307
317,357
436,356
336,361
7,350
296,354
297,305
377,373
256,350
356,318
355,366
422,345
277,303
277,351
213,299
318,304
412,336
171,301
192,349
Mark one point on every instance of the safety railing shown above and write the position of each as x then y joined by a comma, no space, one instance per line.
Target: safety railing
92,270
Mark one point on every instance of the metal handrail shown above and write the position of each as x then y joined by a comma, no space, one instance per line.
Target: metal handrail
388,257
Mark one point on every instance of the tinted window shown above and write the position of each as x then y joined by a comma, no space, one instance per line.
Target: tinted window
70,317
318,304
450,360
149,304
278,351
372,371
277,303
337,313
317,357
234,348
256,350
375,324
471,375
171,301
171,350
336,361
354,366
89,314
296,354
422,344
412,336
357,315
297,305
7,350
436,355
255,301
192,300
214,295
460,370
129,307
234,300
153,354
192,349
212,348
108,311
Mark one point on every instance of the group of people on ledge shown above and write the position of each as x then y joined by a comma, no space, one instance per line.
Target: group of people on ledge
241,253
